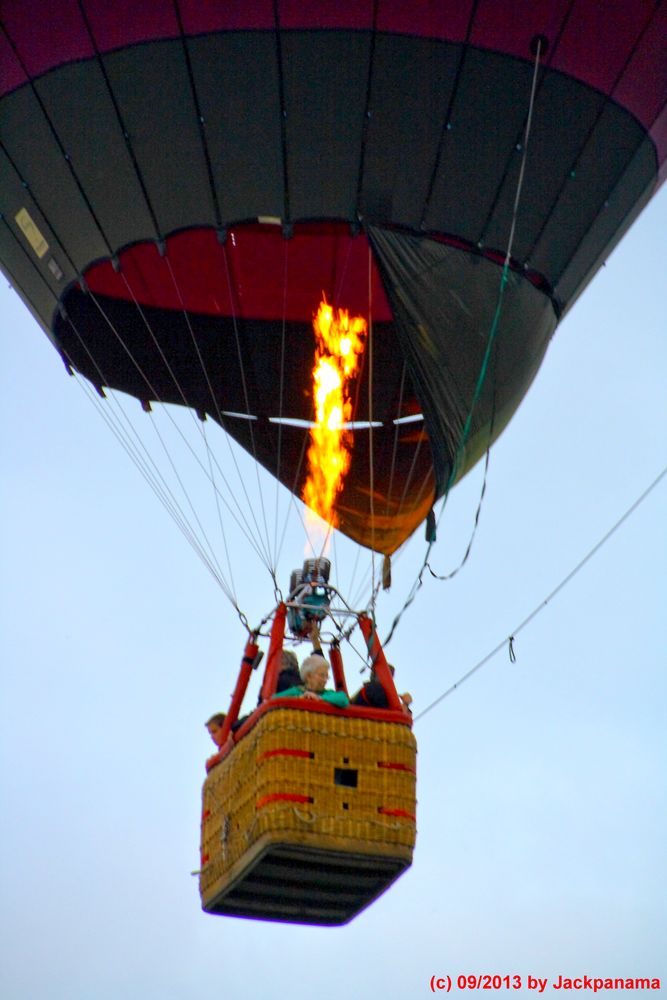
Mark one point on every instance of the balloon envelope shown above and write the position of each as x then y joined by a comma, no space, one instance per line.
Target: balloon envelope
179,183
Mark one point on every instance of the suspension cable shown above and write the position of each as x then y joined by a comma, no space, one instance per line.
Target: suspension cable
271,568
157,397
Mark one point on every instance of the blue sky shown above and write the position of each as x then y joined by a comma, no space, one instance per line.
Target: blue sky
542,811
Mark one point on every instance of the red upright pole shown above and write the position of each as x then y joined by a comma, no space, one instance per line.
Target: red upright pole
275,653
249,655
336,660
379,663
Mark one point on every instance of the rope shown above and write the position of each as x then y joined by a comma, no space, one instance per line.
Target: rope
450,575
510,639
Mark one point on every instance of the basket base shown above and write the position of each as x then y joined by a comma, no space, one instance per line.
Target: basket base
306,885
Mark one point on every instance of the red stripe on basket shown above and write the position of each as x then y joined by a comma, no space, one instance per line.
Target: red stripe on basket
206,813
392,765
281,797
204,858
403,813
285,752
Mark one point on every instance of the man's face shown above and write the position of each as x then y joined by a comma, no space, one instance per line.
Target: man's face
317,679
215,732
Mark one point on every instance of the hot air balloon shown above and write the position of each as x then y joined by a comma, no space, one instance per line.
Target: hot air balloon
180,183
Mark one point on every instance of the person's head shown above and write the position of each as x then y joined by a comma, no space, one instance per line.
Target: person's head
315,673
214,726
288,660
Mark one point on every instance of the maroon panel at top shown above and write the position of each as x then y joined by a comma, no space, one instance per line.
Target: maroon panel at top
595,44
510,28
356,14
256,275
200,16
126,22
426,19
598,39
46,34
643,87
11,74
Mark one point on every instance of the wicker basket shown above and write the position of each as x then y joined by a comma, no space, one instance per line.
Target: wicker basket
310,817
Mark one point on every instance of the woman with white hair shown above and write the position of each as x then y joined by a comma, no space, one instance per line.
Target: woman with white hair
314,676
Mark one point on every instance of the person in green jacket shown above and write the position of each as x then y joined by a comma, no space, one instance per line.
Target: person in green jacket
315,674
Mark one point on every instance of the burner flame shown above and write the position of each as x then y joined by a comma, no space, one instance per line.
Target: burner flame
340,343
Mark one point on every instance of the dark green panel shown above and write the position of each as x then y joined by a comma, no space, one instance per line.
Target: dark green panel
412,84
598,172
563,115
31,145
237,83
489,106
83,115
20,268
634,188
153,91
40,285
444,301
325,77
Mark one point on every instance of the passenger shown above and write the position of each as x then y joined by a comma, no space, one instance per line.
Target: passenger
373,695
314,677
288,675
214,726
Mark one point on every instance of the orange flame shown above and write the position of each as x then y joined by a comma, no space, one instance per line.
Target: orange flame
340,341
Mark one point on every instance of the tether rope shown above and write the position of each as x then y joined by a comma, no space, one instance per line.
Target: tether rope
509,640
